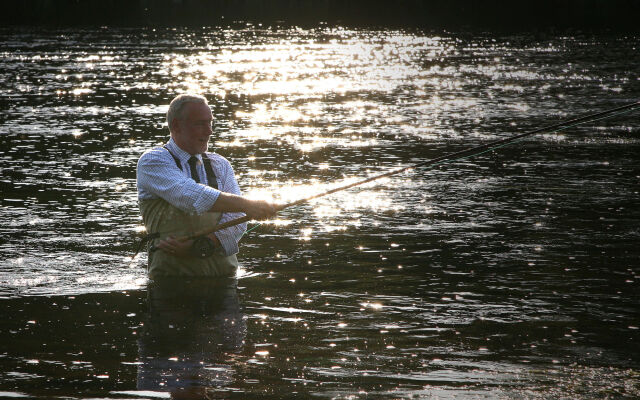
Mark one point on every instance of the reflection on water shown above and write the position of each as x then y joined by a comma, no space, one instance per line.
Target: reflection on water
513,274
191,329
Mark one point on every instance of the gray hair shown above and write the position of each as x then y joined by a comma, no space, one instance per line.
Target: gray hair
177,105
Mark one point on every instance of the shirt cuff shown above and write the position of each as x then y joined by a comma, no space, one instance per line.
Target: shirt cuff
206,200
229,244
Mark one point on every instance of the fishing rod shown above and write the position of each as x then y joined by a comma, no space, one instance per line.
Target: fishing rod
450,156
432,162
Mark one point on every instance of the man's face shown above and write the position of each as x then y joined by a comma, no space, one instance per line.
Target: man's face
191,132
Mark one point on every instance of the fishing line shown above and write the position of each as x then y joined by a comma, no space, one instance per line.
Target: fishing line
249,230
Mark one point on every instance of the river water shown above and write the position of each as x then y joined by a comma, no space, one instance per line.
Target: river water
513,274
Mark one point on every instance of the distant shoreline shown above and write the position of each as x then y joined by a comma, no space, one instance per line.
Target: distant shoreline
615,15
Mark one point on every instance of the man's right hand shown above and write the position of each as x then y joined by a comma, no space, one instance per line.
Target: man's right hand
260,209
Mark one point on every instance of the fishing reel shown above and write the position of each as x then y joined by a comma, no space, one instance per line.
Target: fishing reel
203,247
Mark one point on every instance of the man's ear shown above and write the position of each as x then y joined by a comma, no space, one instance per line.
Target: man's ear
175,126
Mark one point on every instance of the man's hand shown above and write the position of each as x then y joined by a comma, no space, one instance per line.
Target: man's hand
260,209
176,247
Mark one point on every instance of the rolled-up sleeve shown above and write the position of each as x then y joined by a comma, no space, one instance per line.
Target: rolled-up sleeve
158,176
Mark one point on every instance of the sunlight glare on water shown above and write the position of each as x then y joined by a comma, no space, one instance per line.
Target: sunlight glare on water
509,275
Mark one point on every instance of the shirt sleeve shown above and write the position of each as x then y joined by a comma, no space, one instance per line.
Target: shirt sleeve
158,176
229,237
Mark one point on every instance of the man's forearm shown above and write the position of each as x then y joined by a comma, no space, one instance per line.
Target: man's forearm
227,202
257,209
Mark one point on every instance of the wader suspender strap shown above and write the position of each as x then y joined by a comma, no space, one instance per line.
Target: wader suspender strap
208,167
176,159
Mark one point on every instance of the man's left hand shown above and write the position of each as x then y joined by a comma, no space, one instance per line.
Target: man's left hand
176,247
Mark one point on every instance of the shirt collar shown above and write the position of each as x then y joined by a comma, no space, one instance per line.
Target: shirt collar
182,155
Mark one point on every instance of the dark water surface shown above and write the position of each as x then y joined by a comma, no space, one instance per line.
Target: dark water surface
510,275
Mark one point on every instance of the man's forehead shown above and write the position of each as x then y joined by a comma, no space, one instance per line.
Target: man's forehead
198,111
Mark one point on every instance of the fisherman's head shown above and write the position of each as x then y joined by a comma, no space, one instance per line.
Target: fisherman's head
189,119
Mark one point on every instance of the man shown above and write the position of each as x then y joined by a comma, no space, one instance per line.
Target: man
183,189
